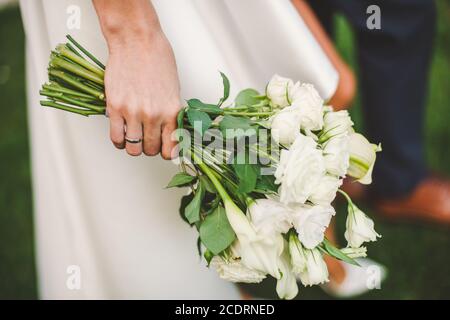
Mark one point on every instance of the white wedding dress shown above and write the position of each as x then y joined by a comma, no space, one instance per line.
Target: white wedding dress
105,225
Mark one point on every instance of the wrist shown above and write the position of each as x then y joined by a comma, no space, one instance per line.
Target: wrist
127,22
119,32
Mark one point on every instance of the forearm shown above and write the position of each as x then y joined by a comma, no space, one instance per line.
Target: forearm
124,22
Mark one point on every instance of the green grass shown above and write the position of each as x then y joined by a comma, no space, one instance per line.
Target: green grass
417,256
17,275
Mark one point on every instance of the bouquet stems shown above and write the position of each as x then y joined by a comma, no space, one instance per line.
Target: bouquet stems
67,108
77,82
215,181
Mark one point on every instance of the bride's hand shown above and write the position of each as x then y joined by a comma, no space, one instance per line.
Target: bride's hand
141,83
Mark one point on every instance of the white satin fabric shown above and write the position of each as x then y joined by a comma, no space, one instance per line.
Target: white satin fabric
108,213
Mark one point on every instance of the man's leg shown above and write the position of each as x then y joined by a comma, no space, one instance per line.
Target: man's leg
394,63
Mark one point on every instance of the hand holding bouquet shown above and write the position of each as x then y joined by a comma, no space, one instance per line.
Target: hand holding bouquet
262,172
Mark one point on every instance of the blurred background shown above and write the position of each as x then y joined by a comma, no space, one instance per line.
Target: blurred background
417,256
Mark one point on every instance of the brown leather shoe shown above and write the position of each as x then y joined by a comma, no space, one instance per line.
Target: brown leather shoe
430,201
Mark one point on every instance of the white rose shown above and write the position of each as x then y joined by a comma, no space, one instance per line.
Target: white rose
270,216
336,123
235,271
362,158
325,192
258,251
359,227
305,93
298,259
277,90
299,171
308,102
287,285
285,126
311,223
336,153
316,271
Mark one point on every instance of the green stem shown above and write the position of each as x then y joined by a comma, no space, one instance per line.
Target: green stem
230,181
206,170
94,85
76,69
255,148
94,102
60,96
65,77
71,48
69,54
87,53
249,114
60,89
242,107
67,108
346,196
260,97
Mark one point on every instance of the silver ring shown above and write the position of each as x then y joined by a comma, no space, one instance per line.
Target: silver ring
130,140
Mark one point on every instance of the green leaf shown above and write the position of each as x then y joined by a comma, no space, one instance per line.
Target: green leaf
328,248
199,246
199,116
226,89
247,174
209,187
246,171
185,200
216,232
180,118
192,211
181,179
247,97
232,122
266,183
205,107
208,256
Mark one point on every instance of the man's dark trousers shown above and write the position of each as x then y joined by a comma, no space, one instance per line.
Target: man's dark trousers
393,74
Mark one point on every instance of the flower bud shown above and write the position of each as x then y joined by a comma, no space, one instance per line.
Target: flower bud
359,227
316,271
362,158
336,124
277,91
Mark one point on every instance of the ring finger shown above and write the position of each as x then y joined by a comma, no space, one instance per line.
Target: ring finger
133,137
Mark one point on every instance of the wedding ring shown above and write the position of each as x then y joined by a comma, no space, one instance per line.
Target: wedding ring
130,140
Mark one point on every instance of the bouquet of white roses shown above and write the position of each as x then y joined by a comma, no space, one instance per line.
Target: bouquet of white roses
262,172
